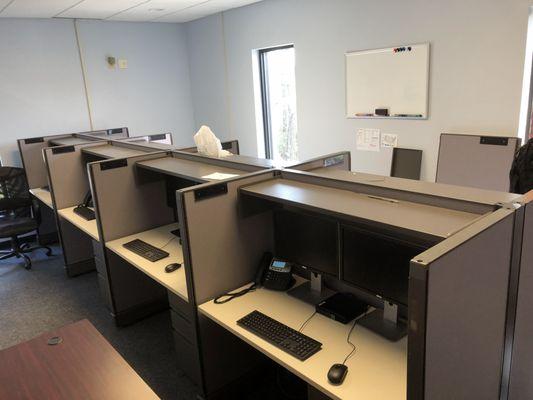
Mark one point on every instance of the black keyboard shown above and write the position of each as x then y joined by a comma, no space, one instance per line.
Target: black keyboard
280,335
85,212
143,249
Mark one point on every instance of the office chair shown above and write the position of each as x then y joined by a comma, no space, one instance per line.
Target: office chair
18,215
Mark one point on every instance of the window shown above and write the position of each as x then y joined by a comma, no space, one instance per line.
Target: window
278,102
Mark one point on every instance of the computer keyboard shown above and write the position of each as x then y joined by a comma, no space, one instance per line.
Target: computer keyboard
280,335
85,212
143,249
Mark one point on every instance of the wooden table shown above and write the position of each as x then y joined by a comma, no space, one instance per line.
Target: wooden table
83,366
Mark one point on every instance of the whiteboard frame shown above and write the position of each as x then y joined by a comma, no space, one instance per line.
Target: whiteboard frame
426,111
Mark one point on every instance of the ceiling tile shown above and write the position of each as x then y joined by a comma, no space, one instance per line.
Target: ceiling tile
154,9
204,9
100,9
35,8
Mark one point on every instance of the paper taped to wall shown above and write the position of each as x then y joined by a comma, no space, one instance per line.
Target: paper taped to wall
389,140
367,139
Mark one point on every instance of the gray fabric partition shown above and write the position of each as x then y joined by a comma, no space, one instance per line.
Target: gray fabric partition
477,161
466,308
521,378
31,154
340,160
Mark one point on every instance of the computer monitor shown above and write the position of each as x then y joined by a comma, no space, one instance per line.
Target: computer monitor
406,163
379,265
310,241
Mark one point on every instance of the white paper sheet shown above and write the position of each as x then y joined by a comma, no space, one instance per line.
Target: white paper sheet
389,140
368,139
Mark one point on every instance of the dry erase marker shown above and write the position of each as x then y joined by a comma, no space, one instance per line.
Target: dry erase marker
364,115
409,115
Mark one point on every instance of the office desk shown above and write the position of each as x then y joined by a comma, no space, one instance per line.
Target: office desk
162,238
111,151
89,227
43,195
192,170
377,370
47,230
83,366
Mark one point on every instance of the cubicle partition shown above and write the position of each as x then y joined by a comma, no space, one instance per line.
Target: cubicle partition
341,160
162,138
127,203
458,293
232,146
69,185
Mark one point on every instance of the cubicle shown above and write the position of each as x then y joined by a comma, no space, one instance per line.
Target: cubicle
225,233
31,155
68,190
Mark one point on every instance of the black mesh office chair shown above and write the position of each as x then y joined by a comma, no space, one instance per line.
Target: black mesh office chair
18,215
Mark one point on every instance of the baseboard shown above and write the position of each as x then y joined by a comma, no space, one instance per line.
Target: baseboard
137,313
80,267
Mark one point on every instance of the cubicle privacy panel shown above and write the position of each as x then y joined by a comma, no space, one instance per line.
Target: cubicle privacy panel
458,297
232,146
128,200
161,138
477,161
110,133
67,171
340,160
521,378
243,163
221,248
31,154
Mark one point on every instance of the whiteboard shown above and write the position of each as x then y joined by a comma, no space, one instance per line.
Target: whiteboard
395,78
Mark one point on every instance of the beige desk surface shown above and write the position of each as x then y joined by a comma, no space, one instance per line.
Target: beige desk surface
435,221
376,371
70,141
43,195
187,169
89,227
111,151
163,239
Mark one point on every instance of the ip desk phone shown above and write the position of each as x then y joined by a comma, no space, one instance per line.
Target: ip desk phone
274,273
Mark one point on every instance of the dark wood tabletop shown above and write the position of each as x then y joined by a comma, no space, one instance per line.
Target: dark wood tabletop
83,366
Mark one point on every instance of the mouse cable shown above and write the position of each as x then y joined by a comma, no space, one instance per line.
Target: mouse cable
306,322
167,243
232,295
348,338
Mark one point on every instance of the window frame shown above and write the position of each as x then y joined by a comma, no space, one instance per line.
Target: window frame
265,104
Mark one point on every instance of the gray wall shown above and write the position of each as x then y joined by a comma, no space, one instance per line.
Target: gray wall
41,86
477,62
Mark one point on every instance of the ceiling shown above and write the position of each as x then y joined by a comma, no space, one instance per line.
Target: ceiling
118,10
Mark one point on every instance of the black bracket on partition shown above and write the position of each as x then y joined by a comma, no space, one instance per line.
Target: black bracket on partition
210,191
494,140
158,137
34,140
112,164
113,131
63,149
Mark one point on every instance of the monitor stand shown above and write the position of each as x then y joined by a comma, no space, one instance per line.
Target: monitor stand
385,322
313,291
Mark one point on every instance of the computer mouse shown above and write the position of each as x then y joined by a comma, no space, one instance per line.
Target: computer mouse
172,267
337,373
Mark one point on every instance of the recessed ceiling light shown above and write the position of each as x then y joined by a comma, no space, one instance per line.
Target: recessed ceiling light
156,9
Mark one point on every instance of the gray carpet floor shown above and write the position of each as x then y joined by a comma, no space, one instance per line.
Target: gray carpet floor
44,298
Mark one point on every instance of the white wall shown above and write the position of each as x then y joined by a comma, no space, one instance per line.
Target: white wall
477,60
41,85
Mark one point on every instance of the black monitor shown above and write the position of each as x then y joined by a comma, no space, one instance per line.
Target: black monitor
406,163
310,241
379,265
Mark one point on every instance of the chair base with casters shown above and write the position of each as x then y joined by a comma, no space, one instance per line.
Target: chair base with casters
13,228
